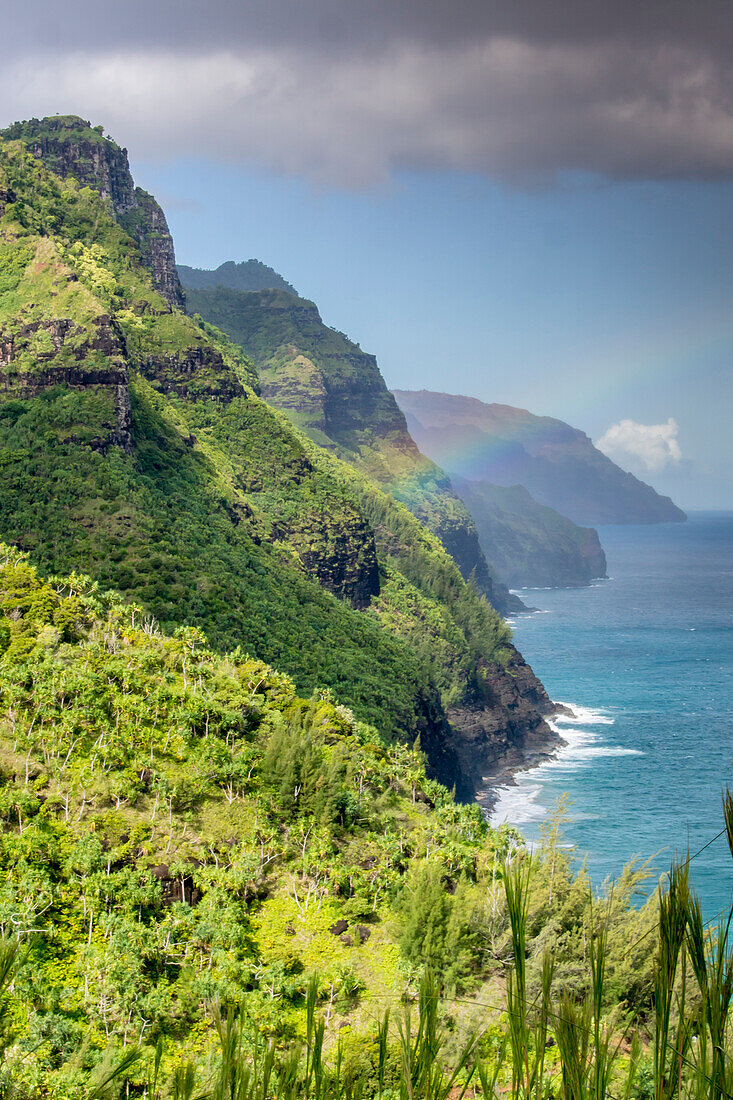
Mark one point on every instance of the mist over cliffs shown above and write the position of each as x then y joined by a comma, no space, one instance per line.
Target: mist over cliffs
335,392
556,463
531,545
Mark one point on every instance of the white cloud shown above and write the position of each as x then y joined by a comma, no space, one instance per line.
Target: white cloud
653,447
511,108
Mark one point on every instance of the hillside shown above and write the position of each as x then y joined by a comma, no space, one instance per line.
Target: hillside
135,448
557,464
335,393
191,827
181,830
531,545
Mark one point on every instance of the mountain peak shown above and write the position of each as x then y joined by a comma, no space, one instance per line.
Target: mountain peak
71,147
65,125
249,275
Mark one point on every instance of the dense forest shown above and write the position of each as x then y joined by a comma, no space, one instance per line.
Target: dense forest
135,447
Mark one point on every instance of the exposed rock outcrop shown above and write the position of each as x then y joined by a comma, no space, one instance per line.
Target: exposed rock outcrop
194,373
6,196
146,223
55,352
505,724
341,556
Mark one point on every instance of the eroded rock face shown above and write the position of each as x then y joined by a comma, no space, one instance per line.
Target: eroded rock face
505,725
55,352
146,223
69,146
341,556
195,373
177,888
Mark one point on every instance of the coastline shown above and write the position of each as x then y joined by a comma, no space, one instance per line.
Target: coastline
514,764
651,651
511,793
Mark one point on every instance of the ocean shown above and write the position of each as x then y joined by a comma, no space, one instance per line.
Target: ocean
645,659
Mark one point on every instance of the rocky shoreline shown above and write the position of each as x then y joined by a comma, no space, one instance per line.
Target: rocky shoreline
521,759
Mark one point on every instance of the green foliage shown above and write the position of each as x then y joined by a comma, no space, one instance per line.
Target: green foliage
424,917
335,393
179,827
73,128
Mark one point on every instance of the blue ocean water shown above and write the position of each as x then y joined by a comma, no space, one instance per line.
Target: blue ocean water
646,660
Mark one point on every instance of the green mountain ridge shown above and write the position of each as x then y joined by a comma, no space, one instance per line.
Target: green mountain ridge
531,545
134,447
334,392
248,275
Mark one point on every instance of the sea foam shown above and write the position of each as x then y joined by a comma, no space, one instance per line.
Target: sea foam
519,802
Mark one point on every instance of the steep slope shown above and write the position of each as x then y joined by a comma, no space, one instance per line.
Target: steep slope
557,464
530,544
335,392
134,447
179,826
180,830
70,146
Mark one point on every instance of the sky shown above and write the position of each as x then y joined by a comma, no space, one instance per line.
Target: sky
529,203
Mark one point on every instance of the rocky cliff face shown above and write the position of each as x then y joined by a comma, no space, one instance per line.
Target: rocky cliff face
146,223
66,354
505,724
70,146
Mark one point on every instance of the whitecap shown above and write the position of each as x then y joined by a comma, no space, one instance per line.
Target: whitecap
518,805
583,714
519,802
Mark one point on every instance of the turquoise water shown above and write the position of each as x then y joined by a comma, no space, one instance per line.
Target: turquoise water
646,658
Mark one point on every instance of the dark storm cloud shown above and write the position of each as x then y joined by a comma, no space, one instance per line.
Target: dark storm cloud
357,24
346,92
